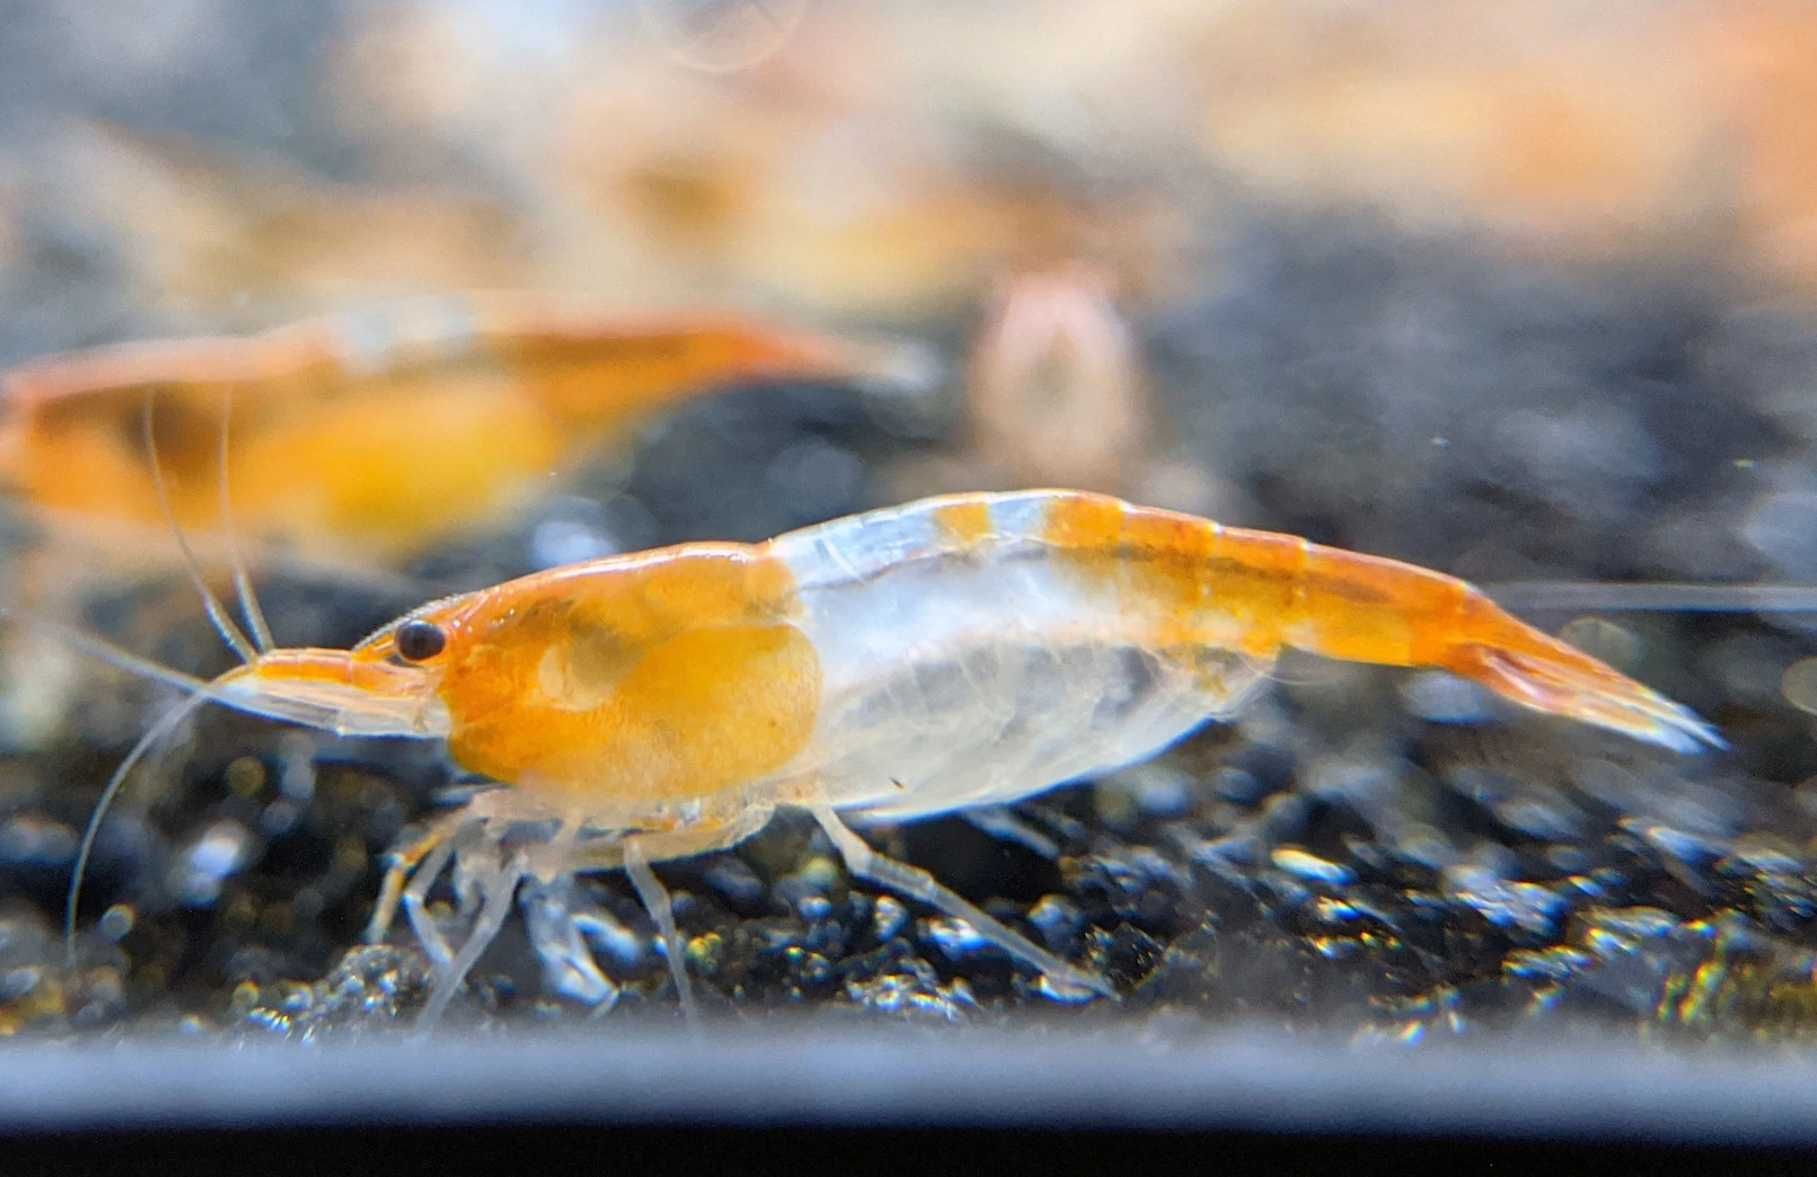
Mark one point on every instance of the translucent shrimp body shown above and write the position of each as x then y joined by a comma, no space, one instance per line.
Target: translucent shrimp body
976,649
959,651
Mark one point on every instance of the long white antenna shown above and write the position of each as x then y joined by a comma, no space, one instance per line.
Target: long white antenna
150,739
116,656
223,623
242,583
1667,597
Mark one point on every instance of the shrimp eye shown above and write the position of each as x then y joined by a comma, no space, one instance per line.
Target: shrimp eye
417,640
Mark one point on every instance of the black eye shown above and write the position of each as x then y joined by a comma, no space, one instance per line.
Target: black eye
417,640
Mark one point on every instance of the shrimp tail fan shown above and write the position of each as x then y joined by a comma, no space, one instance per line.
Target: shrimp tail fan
1524,665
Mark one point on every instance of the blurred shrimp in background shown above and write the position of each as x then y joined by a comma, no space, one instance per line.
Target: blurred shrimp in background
1524,296
367,438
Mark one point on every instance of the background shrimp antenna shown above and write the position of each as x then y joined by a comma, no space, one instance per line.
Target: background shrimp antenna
217,613
242,583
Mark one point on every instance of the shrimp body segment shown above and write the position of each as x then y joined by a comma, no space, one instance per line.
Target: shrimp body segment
958,651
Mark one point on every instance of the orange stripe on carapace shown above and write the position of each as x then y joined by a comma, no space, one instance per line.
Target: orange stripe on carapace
671,676
358,676
964,522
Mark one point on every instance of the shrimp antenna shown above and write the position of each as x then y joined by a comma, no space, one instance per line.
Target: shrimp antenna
242,583
147,742
1668,597
200,692
217,613
115,656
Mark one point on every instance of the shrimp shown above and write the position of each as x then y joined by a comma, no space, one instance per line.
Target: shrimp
496,393
960,651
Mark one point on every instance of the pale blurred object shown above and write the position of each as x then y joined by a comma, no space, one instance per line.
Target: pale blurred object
1659,131
12,243
1056,392
1554,123
721,36
1762,62
1601,638
1799,684
848,172
884,160
213,236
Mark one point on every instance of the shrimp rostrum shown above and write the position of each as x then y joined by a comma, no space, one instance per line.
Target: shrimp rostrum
959,651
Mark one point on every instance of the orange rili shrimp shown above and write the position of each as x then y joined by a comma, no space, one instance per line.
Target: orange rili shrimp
959,651
497,392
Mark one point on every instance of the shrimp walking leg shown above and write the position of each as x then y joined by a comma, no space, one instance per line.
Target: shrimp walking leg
655,899
1001,823
416,905
398,867
554,926
634,853
495,907
915,883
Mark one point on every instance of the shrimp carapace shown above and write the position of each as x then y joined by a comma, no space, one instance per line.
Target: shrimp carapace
369,437
959,651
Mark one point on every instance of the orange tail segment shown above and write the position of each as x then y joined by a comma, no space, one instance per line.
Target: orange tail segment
1520,663
1257,591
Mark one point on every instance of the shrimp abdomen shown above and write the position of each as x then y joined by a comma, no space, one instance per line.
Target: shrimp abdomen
965,663
1053,565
